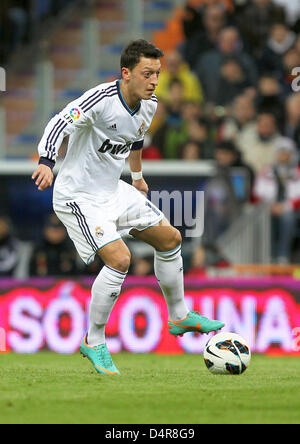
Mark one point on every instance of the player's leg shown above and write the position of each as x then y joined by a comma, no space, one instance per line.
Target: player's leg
146,222
93,232
168,266
105,291
107,287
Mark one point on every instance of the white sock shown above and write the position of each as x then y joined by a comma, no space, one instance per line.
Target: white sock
105,291
168,267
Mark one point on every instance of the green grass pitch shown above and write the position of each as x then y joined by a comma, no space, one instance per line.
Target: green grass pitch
152,389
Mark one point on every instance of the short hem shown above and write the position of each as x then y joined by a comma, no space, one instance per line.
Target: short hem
149,226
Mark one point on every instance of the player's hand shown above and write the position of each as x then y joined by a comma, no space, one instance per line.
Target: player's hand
141,185
43,177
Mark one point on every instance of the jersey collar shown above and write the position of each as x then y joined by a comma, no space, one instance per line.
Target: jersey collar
131,112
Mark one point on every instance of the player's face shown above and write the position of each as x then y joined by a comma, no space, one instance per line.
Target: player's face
144,78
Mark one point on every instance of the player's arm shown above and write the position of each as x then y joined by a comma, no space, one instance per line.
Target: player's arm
73,116
135,163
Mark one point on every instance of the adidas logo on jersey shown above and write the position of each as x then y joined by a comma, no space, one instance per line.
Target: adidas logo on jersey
113,127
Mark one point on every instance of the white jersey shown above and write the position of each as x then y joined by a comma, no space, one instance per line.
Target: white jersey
102,131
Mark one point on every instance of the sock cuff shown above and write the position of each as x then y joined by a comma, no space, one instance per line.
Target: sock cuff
169,255
117,272
111,276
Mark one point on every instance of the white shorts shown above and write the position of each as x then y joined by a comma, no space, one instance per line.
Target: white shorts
92,224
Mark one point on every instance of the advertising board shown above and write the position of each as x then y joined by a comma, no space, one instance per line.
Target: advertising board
39,314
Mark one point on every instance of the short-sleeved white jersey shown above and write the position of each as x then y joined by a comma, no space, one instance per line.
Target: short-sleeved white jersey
102,131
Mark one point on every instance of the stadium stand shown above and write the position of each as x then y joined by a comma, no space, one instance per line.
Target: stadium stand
62,42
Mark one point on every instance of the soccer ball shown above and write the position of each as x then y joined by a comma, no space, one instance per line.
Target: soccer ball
227,353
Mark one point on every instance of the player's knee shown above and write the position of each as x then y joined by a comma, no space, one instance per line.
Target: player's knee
116,255
177,239
121,262
172,241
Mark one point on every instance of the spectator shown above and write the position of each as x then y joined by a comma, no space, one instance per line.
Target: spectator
197,262
256,21
18,21
291,60
228,156
292,123
297,44
239,121
141,266
198,132
191,21
292,10
190,151
151,152
177,69
214,19
184,121
54,255
257,146
168,138
159,118
279,186
204,256
280,40
270,99
194,10
296,27
9,249
221,203
176,100
193,111
232,82
209,64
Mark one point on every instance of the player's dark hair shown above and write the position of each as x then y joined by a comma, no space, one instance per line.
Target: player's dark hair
136,49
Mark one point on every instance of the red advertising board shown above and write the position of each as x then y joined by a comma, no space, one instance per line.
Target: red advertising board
53,314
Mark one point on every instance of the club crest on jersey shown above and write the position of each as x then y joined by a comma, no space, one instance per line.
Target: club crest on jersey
99,232
75,113
141,130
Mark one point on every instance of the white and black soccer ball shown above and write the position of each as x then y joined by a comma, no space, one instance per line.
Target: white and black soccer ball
227,353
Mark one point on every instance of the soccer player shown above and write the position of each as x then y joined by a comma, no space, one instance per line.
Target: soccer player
105,126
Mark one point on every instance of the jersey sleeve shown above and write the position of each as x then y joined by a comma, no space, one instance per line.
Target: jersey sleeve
76,115
137,145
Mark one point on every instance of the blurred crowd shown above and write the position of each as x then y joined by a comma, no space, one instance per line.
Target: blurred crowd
21,20
230,79
229,93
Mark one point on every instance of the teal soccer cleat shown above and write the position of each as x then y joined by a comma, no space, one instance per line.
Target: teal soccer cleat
99,357
194,322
